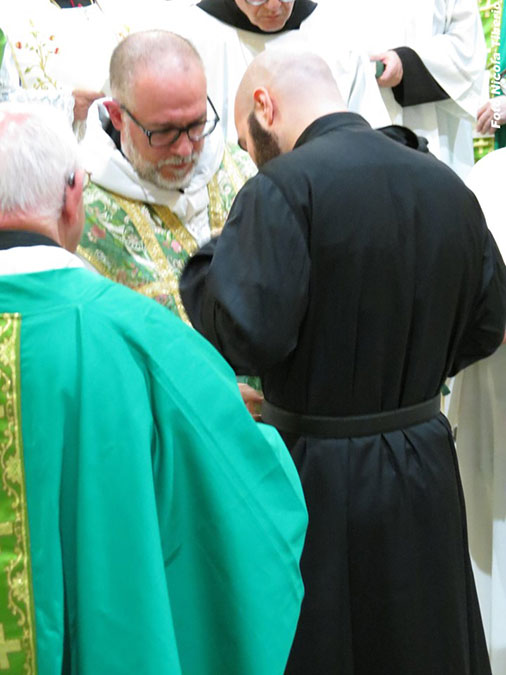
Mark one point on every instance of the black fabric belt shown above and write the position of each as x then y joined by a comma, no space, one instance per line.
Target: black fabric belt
353,426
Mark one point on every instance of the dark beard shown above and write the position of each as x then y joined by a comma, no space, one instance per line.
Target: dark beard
265,144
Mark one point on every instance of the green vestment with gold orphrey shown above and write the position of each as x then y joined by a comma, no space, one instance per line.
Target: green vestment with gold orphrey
147,523
145,246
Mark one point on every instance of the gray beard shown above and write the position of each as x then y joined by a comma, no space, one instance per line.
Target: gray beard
150,171
153,175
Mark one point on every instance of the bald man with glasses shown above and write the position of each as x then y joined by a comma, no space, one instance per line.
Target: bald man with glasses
162,181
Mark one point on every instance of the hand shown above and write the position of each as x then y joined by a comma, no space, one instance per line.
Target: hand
491,115
253,400
82,101
393,73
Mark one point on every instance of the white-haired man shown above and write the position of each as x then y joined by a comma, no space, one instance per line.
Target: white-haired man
353,275
147,524
160,174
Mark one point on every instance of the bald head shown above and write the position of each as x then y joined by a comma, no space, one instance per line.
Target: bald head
290,73
155,52
286,91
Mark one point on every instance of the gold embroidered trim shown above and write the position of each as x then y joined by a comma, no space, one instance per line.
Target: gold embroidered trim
153,288
17,615
172,223
95,262
217,213
237,177
141,219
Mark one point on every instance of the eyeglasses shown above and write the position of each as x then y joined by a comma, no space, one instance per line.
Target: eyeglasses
195,131
257,3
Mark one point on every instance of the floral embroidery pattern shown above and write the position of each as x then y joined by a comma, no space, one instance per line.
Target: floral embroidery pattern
17,623
145,247
43,49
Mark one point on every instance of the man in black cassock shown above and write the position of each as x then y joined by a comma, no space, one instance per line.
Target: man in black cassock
354,275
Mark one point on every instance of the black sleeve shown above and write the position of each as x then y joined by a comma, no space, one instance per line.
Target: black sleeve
406,137
247,291
417,84
485,331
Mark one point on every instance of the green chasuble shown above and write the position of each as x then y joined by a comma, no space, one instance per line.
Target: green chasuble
500,134
494,29
3,42
145,246
156,528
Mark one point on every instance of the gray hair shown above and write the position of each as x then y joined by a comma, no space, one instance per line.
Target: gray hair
38,153
152,50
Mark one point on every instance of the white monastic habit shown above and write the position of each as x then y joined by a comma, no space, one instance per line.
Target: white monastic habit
227,51
54,51
11,89
478,410
448,37
63,49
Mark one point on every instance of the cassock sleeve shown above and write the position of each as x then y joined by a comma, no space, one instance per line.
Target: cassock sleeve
485,331
247,292
417,84
453,57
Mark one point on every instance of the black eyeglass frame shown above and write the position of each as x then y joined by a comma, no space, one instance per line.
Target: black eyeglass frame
187,129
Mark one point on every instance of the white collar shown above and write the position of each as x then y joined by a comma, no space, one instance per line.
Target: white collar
112,171
41,258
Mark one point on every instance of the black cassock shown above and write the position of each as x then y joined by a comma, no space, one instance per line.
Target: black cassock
354,275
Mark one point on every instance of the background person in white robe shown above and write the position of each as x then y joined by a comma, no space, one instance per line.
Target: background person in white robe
11,89
478,410
62,54
229,34
434,53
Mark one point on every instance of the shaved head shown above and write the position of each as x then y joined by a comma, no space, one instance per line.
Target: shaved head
292,75
284,92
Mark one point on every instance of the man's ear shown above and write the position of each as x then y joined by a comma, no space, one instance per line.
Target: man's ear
71,221
114,110
264,105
